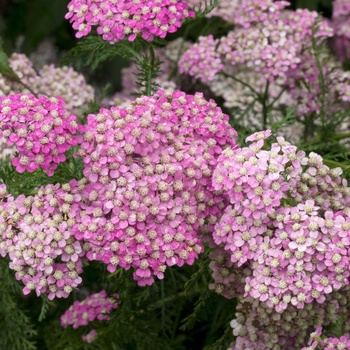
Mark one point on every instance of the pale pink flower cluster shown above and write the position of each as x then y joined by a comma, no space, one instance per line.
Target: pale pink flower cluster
243,12
272,46
341,25
95,307
201,60
23,67
149,166
90,337
65,82
305,87
116,20
331,343
260,58
256,326
36,234
288,222
40,128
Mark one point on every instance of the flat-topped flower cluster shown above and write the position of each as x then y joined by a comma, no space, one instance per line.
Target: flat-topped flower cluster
116,20
94,307
288,222
149,168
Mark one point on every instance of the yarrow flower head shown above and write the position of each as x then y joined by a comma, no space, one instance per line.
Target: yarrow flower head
288,225
65,82
40,128
266,38
36,234
116,20
201,60
273,46
95,307
149,168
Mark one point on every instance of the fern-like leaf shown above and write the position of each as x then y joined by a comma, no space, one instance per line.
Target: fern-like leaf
202,10
92,50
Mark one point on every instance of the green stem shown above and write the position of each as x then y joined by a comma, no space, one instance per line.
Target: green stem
276,98
335,164
150,71
243,83
321,78
28,88
264,106
135,54
341,136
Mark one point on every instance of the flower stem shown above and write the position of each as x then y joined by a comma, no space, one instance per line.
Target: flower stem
150,71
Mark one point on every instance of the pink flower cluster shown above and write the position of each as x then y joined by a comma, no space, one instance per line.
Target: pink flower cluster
95,307
267,40
341,25
149,166
36,234
255,12
316,342
201,60
228,277
40,128
116,20
288,222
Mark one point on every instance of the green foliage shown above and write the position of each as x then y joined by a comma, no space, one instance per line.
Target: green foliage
16,328
5,69
46,304
92,50
27,183
338,329
205,7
